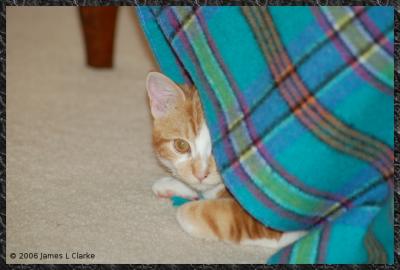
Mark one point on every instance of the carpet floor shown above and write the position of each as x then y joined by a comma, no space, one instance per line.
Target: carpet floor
79,160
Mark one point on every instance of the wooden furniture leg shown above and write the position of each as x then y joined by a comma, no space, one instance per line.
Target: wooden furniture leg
98,25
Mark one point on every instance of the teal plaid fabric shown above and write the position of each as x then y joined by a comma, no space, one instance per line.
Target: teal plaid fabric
299,102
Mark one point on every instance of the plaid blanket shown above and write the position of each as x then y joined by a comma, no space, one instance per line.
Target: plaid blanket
299,102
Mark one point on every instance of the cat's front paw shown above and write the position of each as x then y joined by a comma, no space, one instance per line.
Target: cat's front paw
167,187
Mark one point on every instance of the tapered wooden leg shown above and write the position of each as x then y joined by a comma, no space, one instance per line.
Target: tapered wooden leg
98,25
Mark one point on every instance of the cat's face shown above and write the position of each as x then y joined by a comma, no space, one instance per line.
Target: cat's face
181,138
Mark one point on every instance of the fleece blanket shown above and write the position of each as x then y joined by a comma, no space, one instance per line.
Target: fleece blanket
299,103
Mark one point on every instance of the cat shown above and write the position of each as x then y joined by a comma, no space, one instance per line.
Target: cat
182,143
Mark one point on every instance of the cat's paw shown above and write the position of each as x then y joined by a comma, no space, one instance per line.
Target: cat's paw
167,187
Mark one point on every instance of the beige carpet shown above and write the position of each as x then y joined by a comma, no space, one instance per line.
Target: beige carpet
79,159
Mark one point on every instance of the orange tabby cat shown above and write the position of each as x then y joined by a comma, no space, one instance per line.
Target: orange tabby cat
182,143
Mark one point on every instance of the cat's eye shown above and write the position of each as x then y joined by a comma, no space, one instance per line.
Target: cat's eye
181,146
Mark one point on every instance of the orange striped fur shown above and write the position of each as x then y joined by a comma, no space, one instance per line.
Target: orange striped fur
223,219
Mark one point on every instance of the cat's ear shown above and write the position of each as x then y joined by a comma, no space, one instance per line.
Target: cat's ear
163,94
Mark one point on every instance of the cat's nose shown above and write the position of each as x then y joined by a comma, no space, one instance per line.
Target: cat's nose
201,175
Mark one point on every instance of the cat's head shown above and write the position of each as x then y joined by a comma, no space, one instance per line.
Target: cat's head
181,138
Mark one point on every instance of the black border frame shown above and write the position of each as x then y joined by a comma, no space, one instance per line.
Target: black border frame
5,3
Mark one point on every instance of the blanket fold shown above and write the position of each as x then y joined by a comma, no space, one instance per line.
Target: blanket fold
299,103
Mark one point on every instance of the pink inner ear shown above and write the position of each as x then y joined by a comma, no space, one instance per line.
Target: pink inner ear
162,95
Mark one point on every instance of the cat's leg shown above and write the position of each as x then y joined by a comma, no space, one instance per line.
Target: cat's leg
193,219
286,239
168,186
224,219
219,219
